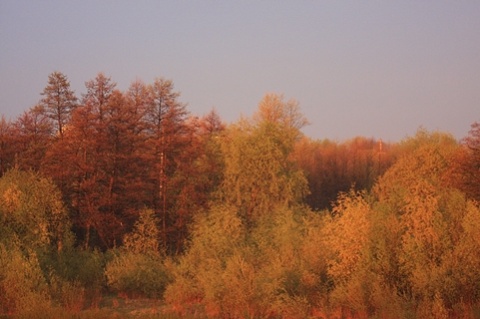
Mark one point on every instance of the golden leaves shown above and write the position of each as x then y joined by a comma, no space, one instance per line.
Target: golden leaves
11,199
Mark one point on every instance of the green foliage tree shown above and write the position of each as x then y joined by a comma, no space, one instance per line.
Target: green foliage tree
137,269
273,109
35,238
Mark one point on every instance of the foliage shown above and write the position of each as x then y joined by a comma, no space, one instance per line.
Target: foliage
58,101
137,275
424,214
470,163
263,150
31,210
76,276
23,289
393,253
335,167
224,269
197,278
137,269
351,216
215,217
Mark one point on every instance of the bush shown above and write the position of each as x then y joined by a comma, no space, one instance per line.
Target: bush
78,265
68,295
137,269
23,288
76,276
137,275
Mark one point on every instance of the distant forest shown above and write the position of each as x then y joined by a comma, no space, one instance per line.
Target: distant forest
127,194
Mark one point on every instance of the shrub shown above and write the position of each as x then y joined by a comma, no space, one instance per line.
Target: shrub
23,288
137,268
137,274
76,276
68,295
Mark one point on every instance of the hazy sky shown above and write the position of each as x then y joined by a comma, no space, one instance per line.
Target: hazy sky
357,68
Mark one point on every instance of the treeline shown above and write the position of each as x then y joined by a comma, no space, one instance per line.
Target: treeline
128,193
112,153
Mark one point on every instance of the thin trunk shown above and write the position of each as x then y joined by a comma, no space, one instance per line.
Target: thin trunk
163,197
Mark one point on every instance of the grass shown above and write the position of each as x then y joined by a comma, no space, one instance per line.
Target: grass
110,307
117,307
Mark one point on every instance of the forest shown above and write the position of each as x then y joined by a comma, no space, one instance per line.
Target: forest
114,198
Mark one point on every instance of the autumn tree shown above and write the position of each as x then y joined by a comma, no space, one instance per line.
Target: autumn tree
31,141
7,147
125,151
322,164
75,161
198,174
334,167
274,109
32,138
98,93
58,101
164,120
32,211
122,159
255,215
259,173
470,163
115,162
427,214
347,235
72,162
100,163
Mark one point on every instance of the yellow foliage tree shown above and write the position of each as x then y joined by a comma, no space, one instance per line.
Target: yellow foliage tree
259,171
31,210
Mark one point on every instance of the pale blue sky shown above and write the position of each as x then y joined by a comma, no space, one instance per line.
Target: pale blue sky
358,68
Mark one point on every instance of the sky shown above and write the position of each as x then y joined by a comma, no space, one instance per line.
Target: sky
380,69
